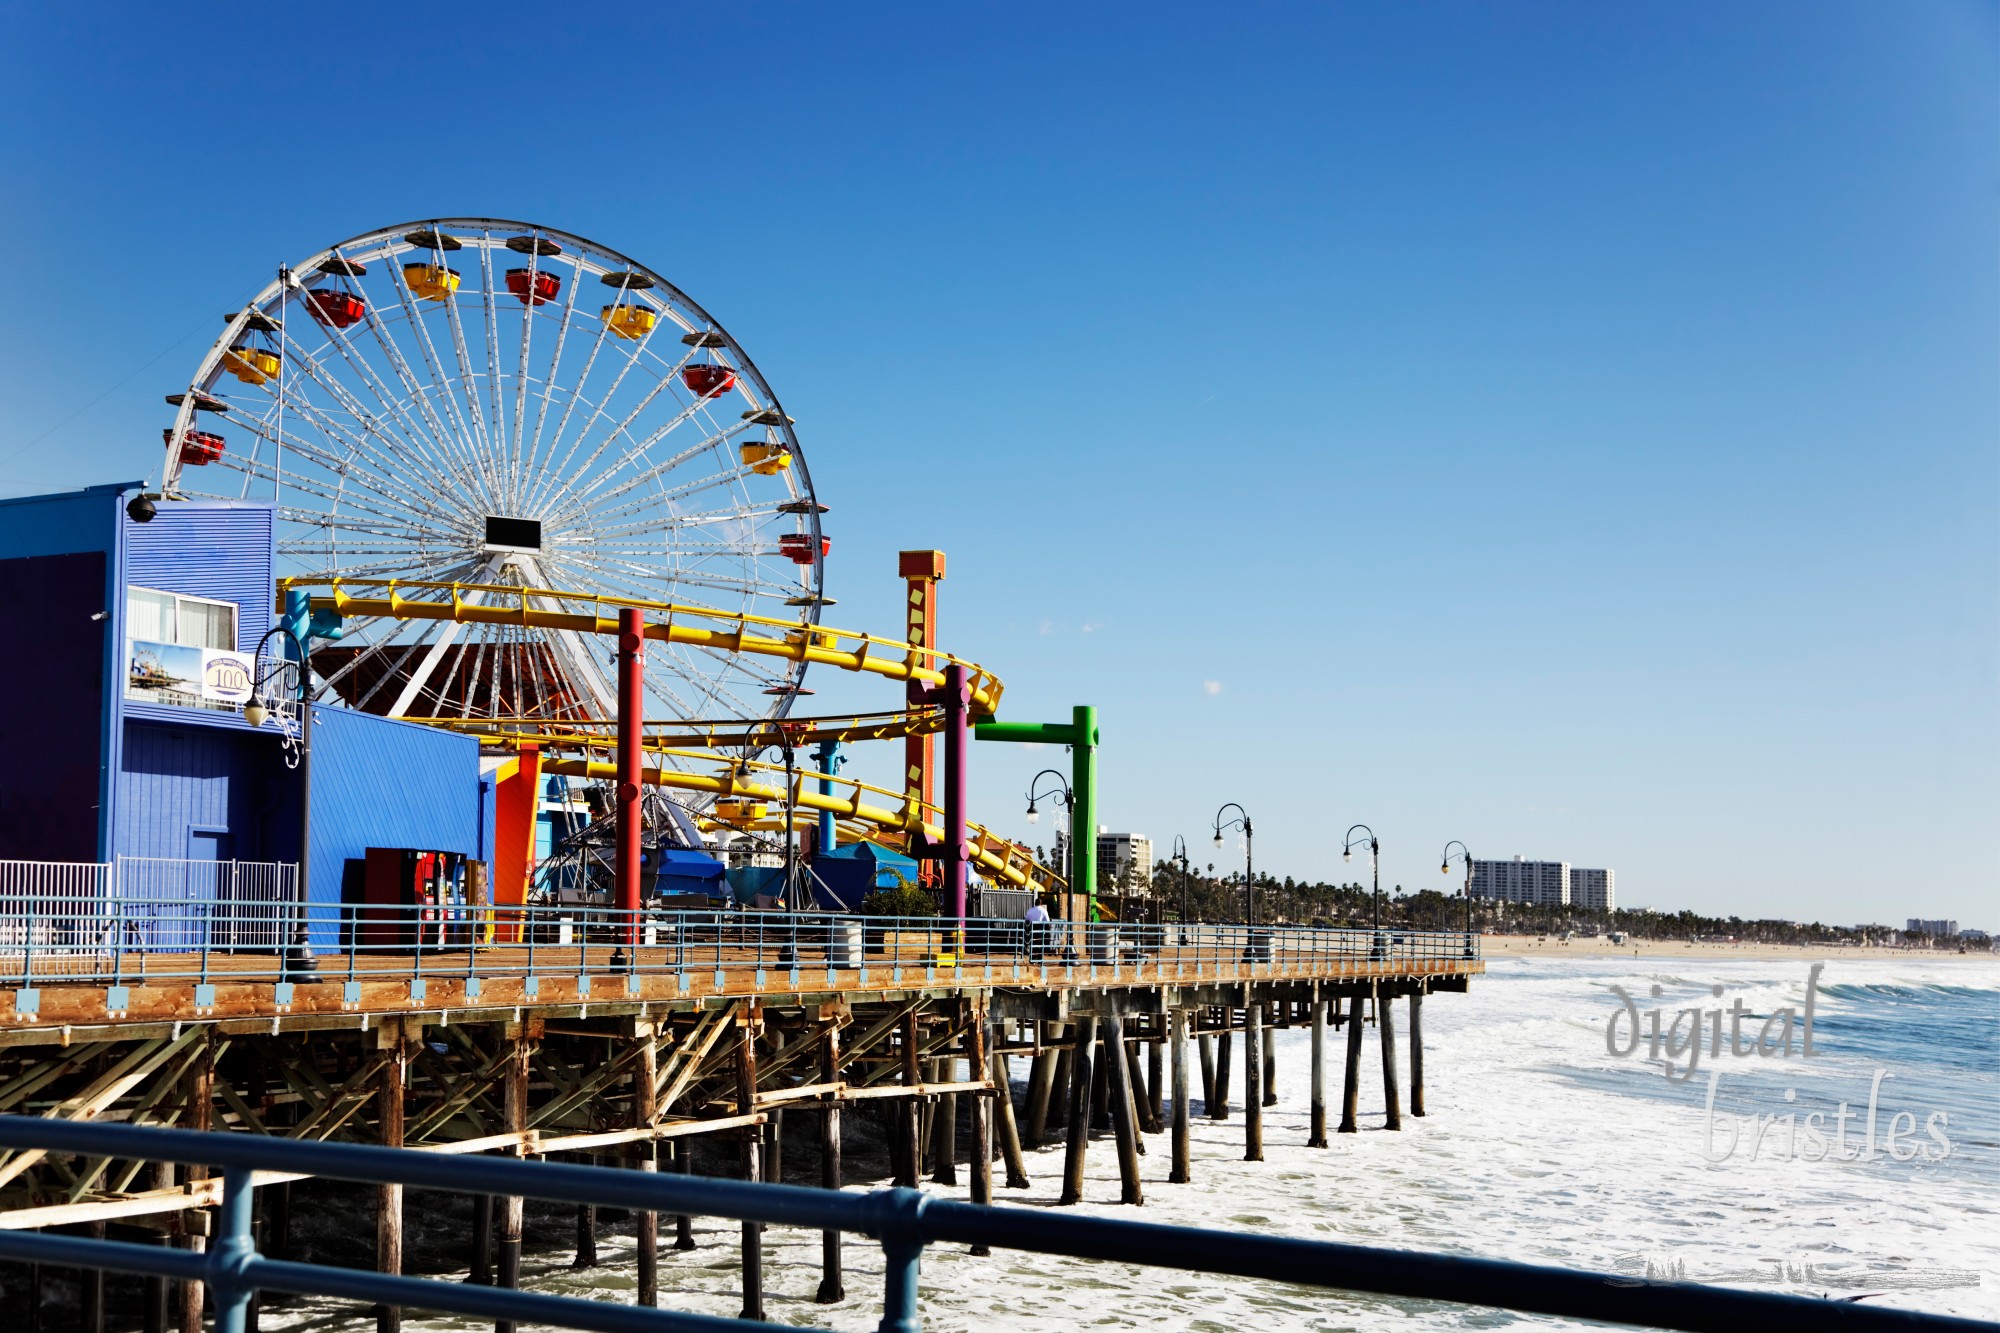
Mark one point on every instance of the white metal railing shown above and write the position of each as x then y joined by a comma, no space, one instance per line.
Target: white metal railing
54,914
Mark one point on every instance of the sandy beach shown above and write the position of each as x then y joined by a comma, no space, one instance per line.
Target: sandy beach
1553,946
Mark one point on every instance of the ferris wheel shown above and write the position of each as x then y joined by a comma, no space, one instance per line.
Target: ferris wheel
498,403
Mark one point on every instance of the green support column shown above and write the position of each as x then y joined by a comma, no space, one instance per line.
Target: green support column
1083,822
1080,735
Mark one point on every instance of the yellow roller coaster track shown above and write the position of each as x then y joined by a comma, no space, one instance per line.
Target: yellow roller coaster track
798,731
699,626
503,604
997,857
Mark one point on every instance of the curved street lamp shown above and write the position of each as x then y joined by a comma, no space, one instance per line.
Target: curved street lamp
1444,868
296,960
1068,795
1242,821
1180,853
1347,846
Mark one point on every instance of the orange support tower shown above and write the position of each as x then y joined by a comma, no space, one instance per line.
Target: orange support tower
921,570
516,808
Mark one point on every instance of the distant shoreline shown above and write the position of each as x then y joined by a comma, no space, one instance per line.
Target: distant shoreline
1552,946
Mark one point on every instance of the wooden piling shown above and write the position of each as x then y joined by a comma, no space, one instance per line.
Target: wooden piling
750,1141
1385,1028
1042,1082
1224,1041
1182,1172
1119,1062
1350,1093
515,1119
1079,1111
1100,1088
1416,1052
1206,1043
479,1264
389,1102
1316,1137
1253,1081
1010,1138
832,1284
944,1128
982,1120
1156,1111
200,1082
645,1095
683,1150
908,1124
93,1289
153,1312
1271,1057
1142,1102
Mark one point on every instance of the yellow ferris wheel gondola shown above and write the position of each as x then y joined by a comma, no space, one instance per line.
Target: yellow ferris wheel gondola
429,279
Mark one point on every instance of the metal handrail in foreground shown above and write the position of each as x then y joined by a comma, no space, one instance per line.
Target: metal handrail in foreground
903,1221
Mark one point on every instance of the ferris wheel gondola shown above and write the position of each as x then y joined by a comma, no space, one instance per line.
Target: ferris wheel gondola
499,403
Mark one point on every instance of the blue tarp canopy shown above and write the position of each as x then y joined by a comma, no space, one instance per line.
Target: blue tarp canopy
846,875
682,871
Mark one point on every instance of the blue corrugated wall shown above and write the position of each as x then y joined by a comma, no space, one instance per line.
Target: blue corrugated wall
208,549
380,783
175,779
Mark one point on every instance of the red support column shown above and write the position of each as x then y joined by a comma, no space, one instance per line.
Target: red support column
631,726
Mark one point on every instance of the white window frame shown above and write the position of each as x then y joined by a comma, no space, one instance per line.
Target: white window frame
235,616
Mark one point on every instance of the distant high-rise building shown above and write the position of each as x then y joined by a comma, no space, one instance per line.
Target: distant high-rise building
1930,926
1540,883
1595,889
1120,853
1116,853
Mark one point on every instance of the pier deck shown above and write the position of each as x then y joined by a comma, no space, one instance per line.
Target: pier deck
719,1028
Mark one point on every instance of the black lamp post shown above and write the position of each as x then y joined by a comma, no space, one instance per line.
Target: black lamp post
296,960
1180,854
1069,809
1242,821
1347,846
1444,868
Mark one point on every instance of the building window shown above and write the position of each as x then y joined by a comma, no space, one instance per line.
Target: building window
182,651
168,617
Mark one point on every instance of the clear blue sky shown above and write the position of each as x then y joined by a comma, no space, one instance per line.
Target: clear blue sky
1565,427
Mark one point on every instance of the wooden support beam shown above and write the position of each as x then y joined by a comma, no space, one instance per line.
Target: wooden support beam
1156,1111
1219,1108
201,1103
944,1127
1417,1052
1010,1136
1271,1057
645,1079
832,1285
1350,1093
683,1163
1316,1136
1207,1044
909,1146
1385,1030
514,1103
1079,1112
390,1094
1253,1080
1183,1166
753,1233
1041,1086
1140,1104
982,1119
1118,1063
